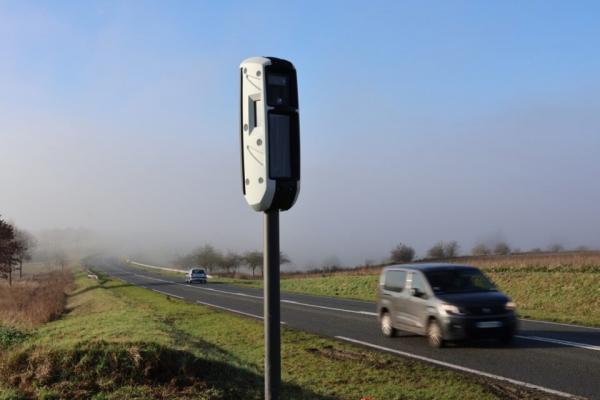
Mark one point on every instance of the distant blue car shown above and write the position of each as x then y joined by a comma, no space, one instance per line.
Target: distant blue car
196,275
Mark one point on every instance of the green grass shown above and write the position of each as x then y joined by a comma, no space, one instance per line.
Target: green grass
571,297
123,342
10,336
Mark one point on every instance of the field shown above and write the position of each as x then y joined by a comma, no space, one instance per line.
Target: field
563,287
117,341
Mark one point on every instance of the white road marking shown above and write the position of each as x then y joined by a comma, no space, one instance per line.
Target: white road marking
221,291
559,341
459,367
559,323
538,338
168,294
232,310
154,279
329,308
260,297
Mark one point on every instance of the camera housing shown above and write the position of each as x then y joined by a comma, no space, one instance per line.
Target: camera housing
269,133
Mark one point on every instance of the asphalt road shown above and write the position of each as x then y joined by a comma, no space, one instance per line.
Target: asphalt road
553,357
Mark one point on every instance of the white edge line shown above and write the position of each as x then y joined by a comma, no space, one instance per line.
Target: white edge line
560,323
232,310
542,339
168,294
560,341
460,368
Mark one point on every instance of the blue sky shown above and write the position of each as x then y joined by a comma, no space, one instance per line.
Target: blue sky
419,122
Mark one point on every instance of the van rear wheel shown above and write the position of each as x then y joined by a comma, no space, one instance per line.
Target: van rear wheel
386,325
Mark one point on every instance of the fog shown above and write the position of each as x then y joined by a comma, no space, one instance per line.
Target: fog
122,122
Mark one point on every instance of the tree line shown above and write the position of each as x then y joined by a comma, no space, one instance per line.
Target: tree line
214,260
404,253
15,248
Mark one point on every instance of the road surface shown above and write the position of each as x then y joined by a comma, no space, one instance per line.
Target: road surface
557,358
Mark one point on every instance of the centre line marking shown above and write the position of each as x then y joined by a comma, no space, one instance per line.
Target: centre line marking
559,341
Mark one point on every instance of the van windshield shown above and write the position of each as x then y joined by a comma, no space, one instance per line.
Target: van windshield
197,271
459,280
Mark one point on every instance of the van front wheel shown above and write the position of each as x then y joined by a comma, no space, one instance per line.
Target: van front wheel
434,334
386,325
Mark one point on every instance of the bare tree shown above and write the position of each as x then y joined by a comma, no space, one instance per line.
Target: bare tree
402,254
436,251
61,259
207,257
451,249
556,247
25,243
230,262
253,259
186,261
480,249
501,249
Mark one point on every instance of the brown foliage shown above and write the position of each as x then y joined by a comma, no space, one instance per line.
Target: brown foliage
32,302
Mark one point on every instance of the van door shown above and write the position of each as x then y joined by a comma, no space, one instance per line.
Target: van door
393,291
417,301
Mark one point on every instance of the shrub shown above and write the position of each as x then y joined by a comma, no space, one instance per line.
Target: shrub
480,250
402,254
437,251
502,249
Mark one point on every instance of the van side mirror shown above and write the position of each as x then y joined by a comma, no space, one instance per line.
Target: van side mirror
416,292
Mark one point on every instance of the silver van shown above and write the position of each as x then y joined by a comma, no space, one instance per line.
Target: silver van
196,275
445,302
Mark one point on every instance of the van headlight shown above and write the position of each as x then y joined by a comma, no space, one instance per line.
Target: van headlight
451,309
511,306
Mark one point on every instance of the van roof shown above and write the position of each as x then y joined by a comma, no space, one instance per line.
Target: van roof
428,266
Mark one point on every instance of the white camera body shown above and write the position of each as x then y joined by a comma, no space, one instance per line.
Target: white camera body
270,137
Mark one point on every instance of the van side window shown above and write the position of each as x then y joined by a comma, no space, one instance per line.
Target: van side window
417,282
395,280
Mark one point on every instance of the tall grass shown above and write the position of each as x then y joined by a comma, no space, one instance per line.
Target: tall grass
583,261
32,302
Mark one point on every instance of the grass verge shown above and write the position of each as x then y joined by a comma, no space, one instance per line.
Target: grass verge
123,342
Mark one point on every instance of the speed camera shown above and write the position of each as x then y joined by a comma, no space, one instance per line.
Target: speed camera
270,133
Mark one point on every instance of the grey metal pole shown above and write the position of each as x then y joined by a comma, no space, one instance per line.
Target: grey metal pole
271,306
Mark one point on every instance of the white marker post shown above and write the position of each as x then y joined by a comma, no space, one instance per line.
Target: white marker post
270,140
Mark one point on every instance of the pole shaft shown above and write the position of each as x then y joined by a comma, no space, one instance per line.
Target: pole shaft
271,306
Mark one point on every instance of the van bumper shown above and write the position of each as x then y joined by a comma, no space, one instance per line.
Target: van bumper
488,327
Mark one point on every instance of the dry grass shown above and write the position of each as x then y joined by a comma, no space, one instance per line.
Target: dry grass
32,302
576,261
582,261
